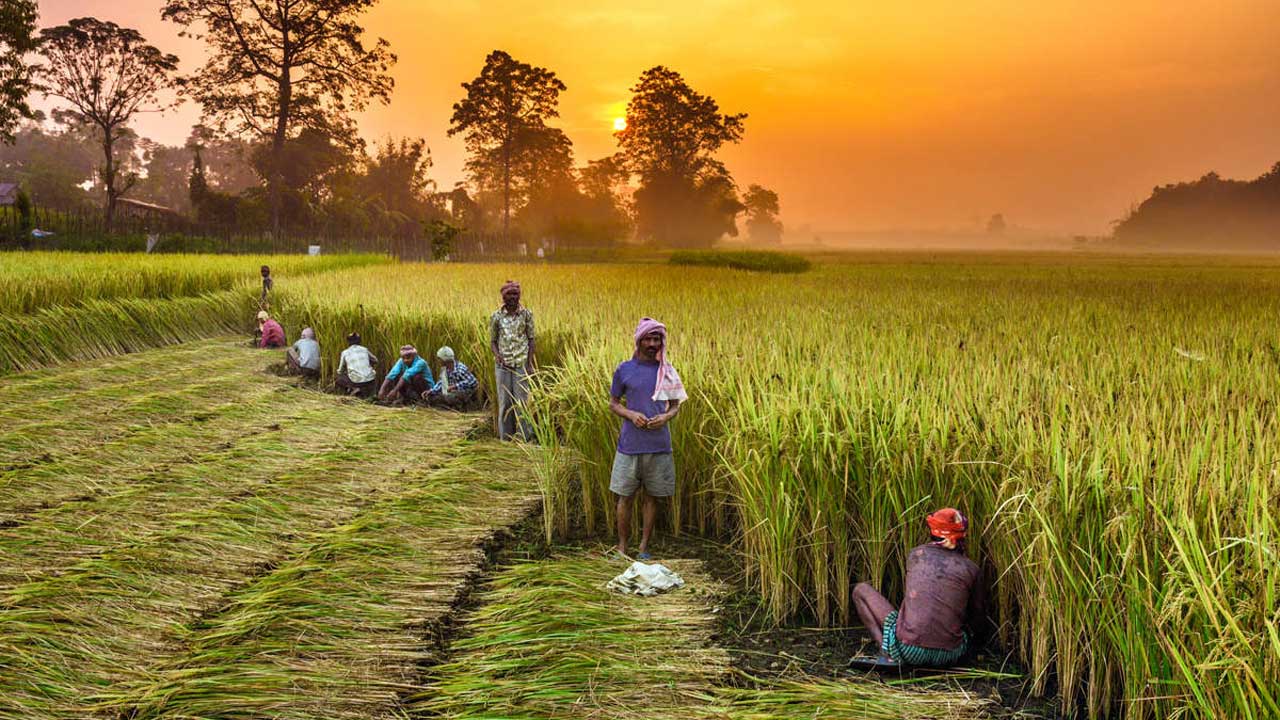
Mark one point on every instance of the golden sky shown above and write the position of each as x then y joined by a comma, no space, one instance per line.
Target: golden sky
864,115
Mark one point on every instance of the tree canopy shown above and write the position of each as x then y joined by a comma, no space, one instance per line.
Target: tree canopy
762,210
17,38
503,118
277,69
106,74
686,197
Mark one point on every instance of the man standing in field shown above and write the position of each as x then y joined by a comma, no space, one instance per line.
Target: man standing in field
511,339
409,379
272,333
652,392
356,368
943,589
264,302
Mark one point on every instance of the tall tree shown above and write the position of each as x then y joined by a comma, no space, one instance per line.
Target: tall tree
686,196
17,38
503,116
762,215
107,74
397,176
278,68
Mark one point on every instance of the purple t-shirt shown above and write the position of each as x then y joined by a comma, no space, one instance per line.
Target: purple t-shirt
634,381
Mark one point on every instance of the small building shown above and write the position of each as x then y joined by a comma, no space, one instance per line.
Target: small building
138,208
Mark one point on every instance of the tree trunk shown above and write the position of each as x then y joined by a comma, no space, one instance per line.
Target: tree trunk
109,177
284,98
506,194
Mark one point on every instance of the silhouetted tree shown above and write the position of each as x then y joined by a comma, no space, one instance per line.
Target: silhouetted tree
686,196
278,68
397,175
107,74
17,38
503,117
762,210
996,226
1209,213
53,165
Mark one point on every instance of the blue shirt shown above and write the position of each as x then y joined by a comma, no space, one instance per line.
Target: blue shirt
634,381
417,367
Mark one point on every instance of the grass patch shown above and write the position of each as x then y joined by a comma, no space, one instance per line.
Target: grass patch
754,260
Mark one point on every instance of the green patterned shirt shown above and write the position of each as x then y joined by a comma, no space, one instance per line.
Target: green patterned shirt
512,332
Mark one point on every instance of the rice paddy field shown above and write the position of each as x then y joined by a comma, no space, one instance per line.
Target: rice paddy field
185,535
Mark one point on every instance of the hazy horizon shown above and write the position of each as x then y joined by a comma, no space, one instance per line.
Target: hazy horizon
862,118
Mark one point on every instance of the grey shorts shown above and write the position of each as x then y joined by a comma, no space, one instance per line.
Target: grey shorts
656,471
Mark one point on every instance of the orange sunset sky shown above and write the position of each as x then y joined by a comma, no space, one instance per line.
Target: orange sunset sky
863,115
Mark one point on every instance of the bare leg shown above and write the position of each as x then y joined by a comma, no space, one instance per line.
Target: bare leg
872,609
624,522
650,512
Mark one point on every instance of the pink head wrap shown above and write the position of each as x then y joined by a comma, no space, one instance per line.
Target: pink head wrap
510,285
406,350
668,385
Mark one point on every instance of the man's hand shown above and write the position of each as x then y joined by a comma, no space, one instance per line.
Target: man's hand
658,421
638,419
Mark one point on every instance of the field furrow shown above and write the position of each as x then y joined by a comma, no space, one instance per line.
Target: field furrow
117,616
148,503
154,452
340,630
56,382
107,420
549,641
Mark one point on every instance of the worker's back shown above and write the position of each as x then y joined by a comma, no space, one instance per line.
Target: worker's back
939,590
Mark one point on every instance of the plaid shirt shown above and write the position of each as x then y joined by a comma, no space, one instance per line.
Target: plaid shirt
460,379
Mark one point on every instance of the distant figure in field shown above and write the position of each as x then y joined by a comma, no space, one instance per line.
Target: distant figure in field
511,339
408,380
456,386
267,283
651,389
304,357
357,372
943,590
272,333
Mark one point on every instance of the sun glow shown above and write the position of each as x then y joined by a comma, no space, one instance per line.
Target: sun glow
619,124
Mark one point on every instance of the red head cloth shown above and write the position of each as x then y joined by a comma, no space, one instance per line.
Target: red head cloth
510,285
949,525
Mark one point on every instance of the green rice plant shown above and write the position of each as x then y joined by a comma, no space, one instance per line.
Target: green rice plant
31,281
1067,404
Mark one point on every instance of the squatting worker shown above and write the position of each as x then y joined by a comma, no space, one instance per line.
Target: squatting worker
511,339
943,590
456,386
267,283
651,389
272,333
356,368
304,357
409,379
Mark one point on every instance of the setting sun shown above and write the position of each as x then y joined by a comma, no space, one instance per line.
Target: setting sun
619,124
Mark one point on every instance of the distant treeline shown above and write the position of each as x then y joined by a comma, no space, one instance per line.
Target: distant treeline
1210,213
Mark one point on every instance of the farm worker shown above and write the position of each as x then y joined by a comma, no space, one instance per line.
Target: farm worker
272,333
267,284
511,339
652,391
409,379
943,589
356,374
304,357
456,386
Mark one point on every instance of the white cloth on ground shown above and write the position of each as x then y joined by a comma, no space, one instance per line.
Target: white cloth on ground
645,579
